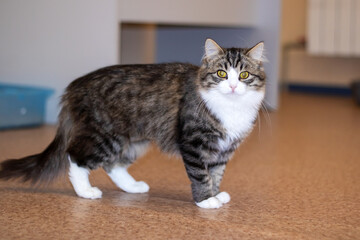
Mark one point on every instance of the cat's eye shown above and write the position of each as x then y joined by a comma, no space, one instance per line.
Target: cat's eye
244,75
222,74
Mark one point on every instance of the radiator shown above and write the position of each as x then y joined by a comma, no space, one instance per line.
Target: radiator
334,27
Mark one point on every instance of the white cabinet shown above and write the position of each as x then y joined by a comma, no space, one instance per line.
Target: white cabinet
190,12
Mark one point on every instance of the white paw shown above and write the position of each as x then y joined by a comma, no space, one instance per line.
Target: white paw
137,187
211,202
90,193
223,197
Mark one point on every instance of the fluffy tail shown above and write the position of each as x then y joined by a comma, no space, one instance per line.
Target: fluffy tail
41,168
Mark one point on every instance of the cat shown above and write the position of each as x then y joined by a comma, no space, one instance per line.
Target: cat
109,117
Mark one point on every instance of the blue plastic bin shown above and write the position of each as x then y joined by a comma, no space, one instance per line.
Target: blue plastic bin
22,106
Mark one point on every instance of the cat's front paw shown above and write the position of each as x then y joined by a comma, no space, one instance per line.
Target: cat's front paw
211,202
223,197
137,187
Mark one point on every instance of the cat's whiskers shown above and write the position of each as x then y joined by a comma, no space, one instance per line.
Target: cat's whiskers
265,112
259,123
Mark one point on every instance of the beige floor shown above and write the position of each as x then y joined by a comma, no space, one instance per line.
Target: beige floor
297,177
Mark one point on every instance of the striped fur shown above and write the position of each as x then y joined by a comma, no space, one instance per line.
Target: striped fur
109,116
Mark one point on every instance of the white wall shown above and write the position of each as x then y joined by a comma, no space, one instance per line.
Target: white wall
51,42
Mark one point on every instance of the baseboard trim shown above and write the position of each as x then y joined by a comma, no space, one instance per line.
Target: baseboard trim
320,89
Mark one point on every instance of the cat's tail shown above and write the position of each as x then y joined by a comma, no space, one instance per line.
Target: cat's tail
40,168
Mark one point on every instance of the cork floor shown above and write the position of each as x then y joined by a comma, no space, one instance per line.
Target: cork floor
296,177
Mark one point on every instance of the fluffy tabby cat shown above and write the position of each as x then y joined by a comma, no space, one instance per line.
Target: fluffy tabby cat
109,116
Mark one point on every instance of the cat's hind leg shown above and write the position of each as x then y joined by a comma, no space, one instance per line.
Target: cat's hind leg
79,178
126,182
119,174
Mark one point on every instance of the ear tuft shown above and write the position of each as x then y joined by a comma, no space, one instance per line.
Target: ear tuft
257,52
212,48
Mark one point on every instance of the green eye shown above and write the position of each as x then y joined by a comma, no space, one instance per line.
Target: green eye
244,75
222,74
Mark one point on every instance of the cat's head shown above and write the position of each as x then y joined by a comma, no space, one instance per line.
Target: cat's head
232,71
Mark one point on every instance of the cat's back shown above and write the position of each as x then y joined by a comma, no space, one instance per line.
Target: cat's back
133,99
133,79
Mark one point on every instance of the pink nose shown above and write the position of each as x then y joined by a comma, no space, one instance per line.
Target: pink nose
233,87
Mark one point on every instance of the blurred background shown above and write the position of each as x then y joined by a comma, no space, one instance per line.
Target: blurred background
312,45
295,177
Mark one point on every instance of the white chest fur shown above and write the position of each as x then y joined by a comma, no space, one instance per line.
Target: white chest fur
235,112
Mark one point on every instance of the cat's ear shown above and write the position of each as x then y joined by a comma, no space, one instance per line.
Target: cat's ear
257,52
212,48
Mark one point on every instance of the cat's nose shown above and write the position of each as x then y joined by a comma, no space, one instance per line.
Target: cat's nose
233,87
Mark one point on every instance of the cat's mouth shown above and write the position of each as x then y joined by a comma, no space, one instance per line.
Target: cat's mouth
234,91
